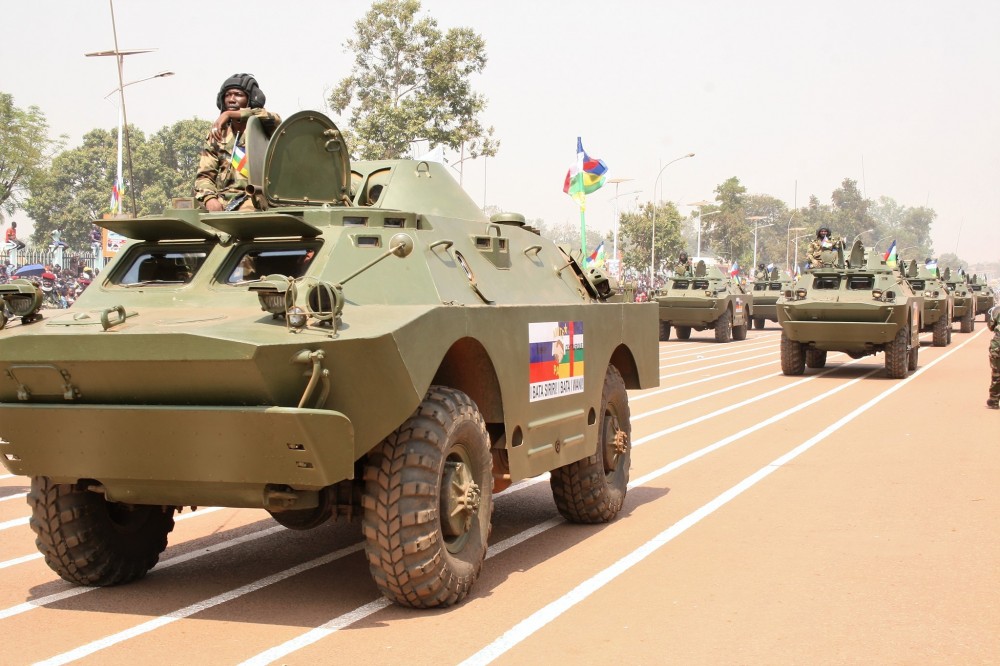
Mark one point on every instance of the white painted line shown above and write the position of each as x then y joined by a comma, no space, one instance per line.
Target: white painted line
648,393
20,560
553,610
702,356
7,476
13,497
17,522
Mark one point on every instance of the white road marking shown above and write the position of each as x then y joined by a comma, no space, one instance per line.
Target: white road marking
553,610
13,497
17,522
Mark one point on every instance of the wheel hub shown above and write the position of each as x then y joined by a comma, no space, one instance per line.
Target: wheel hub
460,500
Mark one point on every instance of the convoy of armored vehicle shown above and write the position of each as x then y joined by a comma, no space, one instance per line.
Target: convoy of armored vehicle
365,344
859,306
938,305
984,294
705,299
766,294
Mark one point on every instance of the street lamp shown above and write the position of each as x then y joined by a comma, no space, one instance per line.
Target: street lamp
875,246
860,234
617,182
160,75
788,235
796,241
700,204
652,245
756,226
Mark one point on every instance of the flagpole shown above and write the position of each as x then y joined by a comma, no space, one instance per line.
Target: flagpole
119,183
583,229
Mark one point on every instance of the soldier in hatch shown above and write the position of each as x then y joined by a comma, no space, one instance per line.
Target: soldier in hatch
683,266
823,241
221,183
761,274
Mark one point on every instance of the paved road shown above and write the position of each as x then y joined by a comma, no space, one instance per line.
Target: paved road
838,517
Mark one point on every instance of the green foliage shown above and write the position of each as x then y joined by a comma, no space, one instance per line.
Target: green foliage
635,236
25,148
411,82
76,189
568,233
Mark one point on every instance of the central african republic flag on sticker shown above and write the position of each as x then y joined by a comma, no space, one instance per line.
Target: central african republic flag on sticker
556,353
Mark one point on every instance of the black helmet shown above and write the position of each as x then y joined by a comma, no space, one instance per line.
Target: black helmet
247,84
761,265
683,255
821,230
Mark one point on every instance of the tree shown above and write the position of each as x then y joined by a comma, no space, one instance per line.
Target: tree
76,189
635,236
25,148
568,233
410,82
850,211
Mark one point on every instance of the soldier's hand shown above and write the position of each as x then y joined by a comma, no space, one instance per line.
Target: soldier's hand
213,205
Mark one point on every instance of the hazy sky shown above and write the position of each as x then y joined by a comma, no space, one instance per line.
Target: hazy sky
790,97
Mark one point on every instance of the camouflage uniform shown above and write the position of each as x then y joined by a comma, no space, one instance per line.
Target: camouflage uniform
993,321
816,248
682,268
216,175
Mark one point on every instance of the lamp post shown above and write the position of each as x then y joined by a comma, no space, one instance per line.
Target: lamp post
860,234
788,235
652,246
875,246
796,241
120,57
755,219
700,205
617,182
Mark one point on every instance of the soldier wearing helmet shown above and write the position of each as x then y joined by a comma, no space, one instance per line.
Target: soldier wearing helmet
823,241
221,183
683,266
760,274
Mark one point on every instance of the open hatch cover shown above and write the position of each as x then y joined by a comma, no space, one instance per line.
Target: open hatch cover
156,228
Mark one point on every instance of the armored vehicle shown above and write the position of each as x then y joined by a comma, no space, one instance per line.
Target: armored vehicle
766,294
963,298
707,299
860,307
939,303
365,344
984,294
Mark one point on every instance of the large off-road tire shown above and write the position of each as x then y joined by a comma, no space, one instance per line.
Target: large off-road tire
88,540
740,332
683,332
592,490
664,331
940,331
912,356
815,358
759,323
897,356
793,359
428,503
724,327
968,323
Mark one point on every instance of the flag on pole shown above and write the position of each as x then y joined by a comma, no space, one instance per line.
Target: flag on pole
734,269
931,265
585,176
116,196
596,258
890,255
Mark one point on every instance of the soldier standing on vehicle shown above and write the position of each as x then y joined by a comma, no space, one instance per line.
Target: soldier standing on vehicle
824,241
221,183
993,322
760,275
683,266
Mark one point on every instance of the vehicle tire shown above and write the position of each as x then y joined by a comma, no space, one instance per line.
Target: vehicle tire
793,360
949,332
724,327
912,357
592,490
940,332
664,331
897,356
815,358
968,324
428,502
683,332
740,332
759,323
88,540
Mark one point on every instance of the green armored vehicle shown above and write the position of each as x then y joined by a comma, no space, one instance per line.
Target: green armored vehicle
984,294
963,298
706,299
366,344
766,294
939,303
859,307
